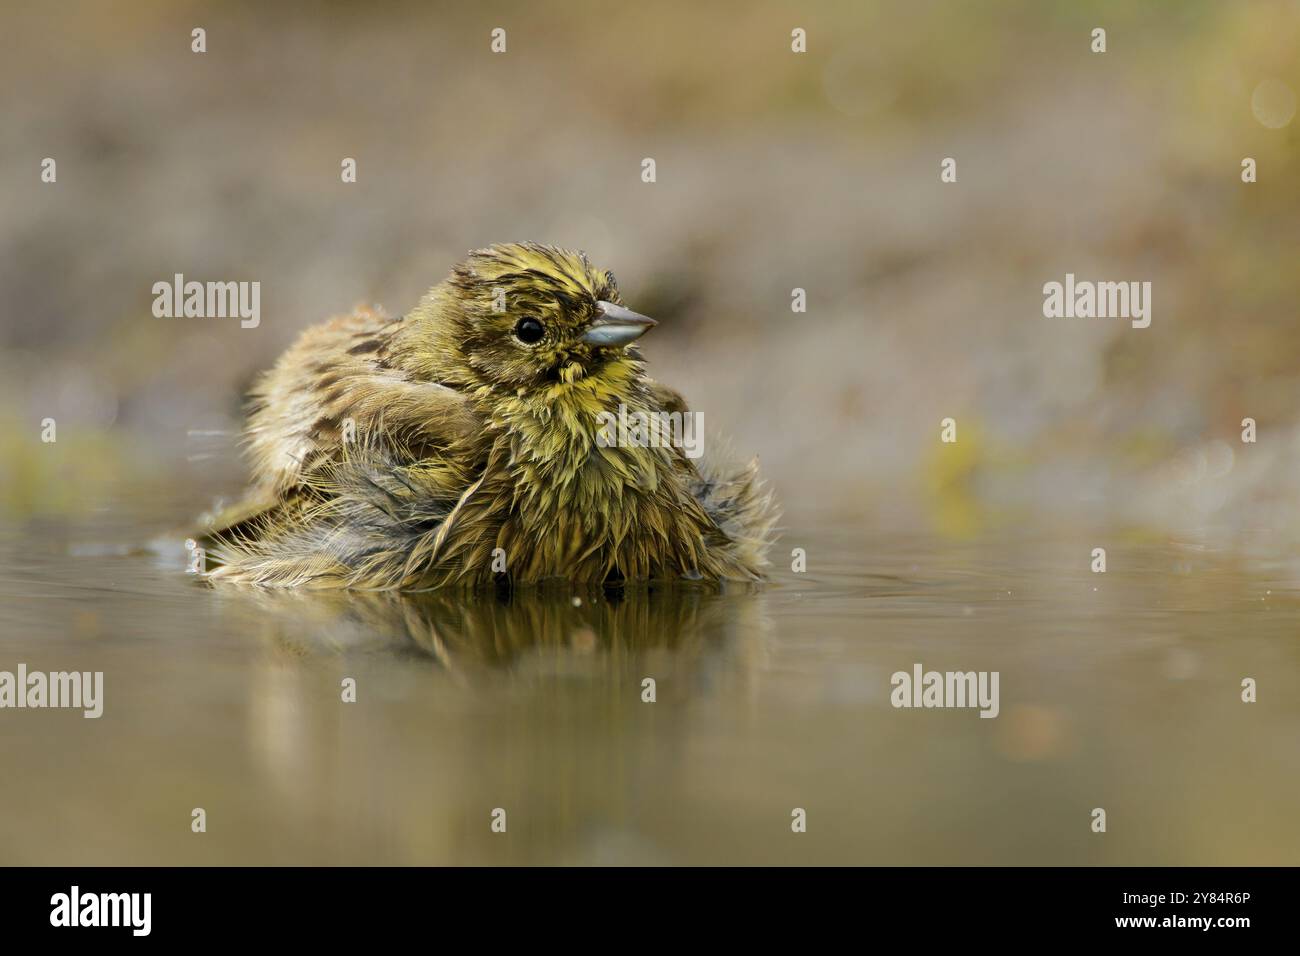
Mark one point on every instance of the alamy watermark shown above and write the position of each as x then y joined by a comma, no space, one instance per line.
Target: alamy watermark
76,908
651,429
1101,300
922,688
208,300
56,689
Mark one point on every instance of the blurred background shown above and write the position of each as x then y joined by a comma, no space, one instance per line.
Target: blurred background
775,171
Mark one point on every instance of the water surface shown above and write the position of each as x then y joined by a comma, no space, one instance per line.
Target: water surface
1118,690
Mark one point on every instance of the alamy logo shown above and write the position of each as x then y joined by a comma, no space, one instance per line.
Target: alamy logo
72,689
1101,300
208,300
103,909
923,688
646,429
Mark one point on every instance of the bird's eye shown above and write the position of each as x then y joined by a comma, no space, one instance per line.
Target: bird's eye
529,331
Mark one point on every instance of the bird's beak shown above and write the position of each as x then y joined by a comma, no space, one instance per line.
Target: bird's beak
615,325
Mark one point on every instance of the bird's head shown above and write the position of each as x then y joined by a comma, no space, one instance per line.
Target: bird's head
522,316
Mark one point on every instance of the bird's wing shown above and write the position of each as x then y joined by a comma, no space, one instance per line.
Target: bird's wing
333,396
364,519
334,387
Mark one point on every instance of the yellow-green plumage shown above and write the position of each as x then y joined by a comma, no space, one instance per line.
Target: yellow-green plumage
401,453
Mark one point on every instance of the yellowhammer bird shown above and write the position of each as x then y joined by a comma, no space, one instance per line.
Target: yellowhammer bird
460,444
